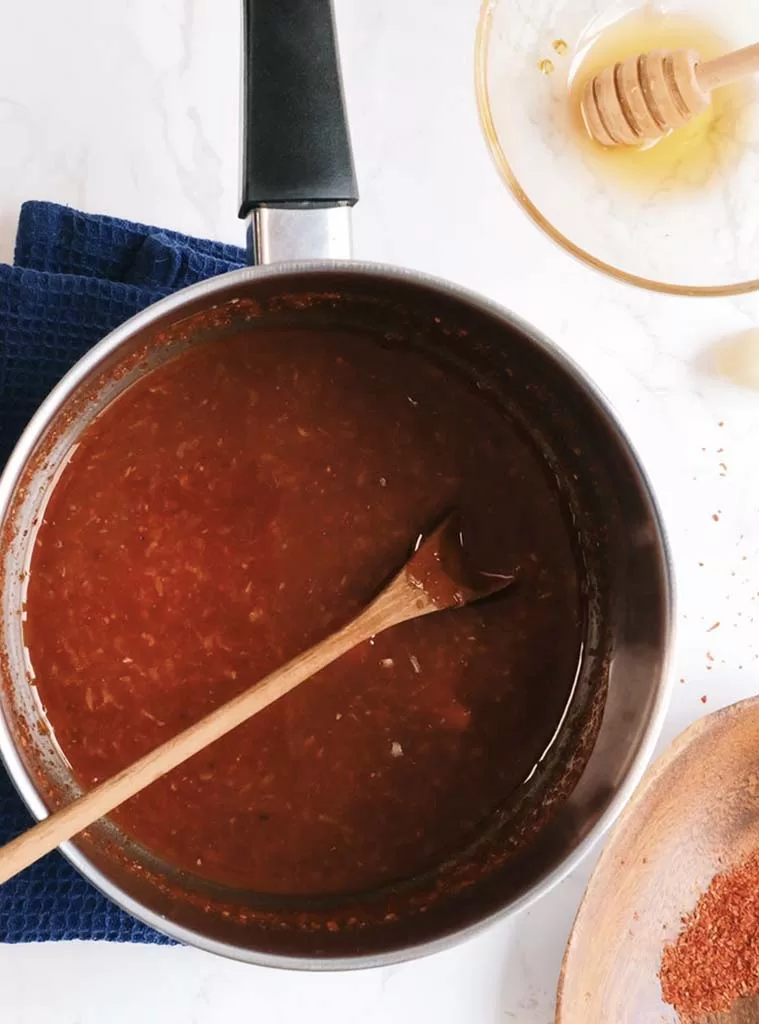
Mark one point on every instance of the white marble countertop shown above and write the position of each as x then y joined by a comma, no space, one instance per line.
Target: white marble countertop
132,109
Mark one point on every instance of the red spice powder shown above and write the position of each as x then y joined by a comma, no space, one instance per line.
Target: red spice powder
715,959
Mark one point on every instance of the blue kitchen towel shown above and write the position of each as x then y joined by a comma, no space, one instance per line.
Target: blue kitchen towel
75,277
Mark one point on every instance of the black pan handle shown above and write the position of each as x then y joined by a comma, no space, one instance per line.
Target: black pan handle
296,146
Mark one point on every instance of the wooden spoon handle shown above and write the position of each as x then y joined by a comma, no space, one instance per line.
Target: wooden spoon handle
730,68
82,812
399,601
424,585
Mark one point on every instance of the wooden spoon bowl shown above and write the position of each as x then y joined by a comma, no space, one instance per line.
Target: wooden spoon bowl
695,814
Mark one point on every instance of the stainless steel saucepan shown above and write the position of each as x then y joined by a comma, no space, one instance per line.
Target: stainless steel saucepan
298,188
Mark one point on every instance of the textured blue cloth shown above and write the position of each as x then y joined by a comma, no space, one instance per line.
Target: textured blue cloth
75,277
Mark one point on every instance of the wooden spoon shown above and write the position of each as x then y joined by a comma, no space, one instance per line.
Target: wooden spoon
694,815
644,98
436,577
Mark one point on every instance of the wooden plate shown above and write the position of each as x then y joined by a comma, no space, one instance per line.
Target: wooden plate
695,813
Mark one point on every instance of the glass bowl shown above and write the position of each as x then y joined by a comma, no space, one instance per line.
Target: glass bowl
683,220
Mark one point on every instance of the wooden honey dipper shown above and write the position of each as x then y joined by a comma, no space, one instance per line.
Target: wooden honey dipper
643,98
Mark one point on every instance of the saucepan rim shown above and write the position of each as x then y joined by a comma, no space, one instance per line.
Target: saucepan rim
209,290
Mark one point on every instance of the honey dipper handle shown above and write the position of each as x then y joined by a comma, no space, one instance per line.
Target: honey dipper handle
730,68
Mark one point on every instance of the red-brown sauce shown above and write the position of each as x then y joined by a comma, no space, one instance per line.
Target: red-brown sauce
233,507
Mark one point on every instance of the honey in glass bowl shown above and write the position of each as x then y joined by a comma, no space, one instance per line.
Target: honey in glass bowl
679,217
693,155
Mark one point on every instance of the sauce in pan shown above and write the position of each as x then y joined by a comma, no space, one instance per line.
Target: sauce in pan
233,507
